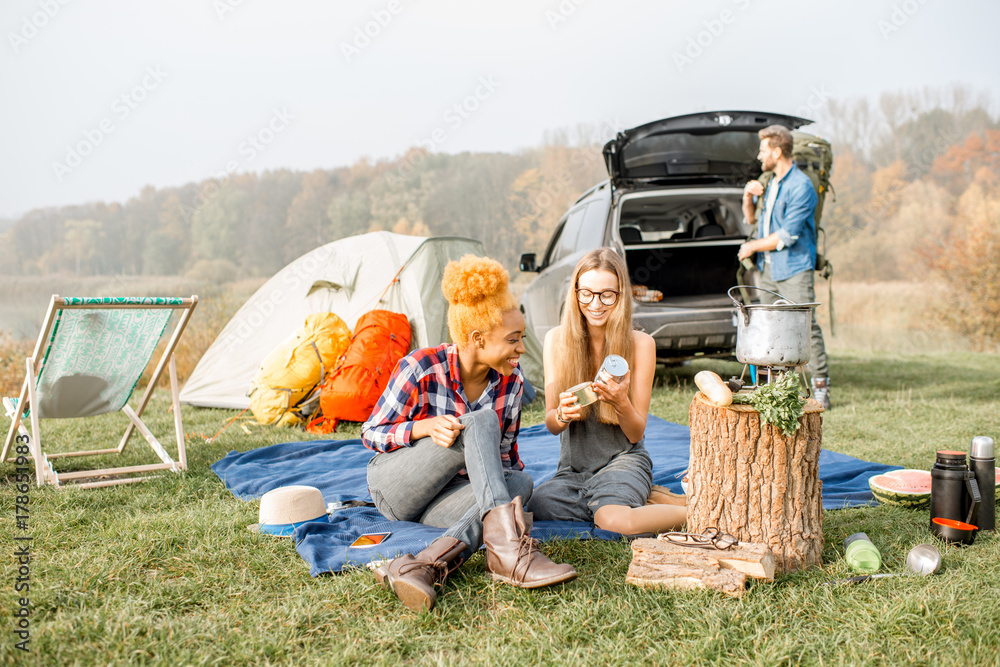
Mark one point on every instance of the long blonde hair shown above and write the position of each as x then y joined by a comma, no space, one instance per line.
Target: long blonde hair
574,362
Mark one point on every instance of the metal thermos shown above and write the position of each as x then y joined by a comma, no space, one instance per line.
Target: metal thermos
954,491
983,465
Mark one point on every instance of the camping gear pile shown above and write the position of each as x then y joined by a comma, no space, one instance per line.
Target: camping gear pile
291,343
323,366
963,496
960,497
959,491
348,277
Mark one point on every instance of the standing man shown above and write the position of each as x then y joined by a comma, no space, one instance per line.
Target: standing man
786,239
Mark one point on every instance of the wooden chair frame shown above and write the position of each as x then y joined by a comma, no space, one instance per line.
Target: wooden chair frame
44,472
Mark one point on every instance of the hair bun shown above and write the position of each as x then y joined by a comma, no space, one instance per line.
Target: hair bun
472,279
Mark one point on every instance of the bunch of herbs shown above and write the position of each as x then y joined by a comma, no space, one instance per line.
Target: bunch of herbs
778,403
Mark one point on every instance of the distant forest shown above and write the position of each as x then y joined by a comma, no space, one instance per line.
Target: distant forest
903,165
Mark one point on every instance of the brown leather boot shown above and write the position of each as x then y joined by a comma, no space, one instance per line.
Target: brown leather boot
413,577
661,495
511,553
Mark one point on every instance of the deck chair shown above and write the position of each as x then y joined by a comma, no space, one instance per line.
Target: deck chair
89,357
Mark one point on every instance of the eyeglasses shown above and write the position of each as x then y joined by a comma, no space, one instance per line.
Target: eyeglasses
712,538
608,297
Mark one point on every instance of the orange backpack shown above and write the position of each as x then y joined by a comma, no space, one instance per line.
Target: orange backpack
381,338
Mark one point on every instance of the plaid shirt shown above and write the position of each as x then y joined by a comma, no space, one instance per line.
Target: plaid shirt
426,384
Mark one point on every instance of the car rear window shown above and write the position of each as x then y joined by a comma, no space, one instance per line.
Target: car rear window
729,155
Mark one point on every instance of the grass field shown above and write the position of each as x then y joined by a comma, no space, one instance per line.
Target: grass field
166,572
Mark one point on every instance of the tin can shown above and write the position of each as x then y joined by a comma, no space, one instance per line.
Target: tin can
614,367
583,392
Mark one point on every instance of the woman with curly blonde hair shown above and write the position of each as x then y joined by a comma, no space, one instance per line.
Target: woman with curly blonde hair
605,474
445,432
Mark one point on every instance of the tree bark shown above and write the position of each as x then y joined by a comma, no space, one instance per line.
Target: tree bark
748,479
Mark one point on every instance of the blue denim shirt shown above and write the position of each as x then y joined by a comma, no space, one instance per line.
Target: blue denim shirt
792,221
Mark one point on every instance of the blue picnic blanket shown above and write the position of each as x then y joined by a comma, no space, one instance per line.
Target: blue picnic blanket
338,469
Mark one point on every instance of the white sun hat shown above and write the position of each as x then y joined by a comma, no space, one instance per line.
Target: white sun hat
284,509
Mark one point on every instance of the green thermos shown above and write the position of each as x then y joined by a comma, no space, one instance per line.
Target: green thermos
861,554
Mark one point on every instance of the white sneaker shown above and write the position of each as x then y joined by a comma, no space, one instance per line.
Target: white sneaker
821,391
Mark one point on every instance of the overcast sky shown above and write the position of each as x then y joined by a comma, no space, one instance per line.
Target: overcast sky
104,97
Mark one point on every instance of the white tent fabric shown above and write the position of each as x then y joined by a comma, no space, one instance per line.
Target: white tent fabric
346,277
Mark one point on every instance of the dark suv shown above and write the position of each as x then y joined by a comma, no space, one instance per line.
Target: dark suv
672,208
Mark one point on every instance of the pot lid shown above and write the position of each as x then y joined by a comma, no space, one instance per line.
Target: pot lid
782,306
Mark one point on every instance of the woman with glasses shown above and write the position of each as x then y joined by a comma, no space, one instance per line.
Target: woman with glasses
605,473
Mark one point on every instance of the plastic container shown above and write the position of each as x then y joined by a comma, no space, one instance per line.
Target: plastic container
955,532
861,555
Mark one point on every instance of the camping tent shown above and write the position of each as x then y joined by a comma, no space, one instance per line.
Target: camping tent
348,277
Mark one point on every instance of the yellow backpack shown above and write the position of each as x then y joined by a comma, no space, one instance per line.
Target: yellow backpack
293,369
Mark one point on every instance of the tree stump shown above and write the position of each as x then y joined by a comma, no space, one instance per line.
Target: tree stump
751,481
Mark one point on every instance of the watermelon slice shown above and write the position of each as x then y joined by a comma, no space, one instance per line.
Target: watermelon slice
905,488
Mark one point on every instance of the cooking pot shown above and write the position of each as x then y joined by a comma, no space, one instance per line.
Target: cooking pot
776,334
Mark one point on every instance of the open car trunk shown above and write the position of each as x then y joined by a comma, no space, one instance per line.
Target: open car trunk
699,148
683,245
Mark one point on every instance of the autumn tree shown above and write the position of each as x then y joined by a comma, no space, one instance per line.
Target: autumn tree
166,249
848,212
307,224
529,218
349,213
83,239
217,226
130,231
262,242
968,261
956,166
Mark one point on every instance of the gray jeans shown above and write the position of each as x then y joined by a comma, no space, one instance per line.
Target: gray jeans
799,289
421,483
